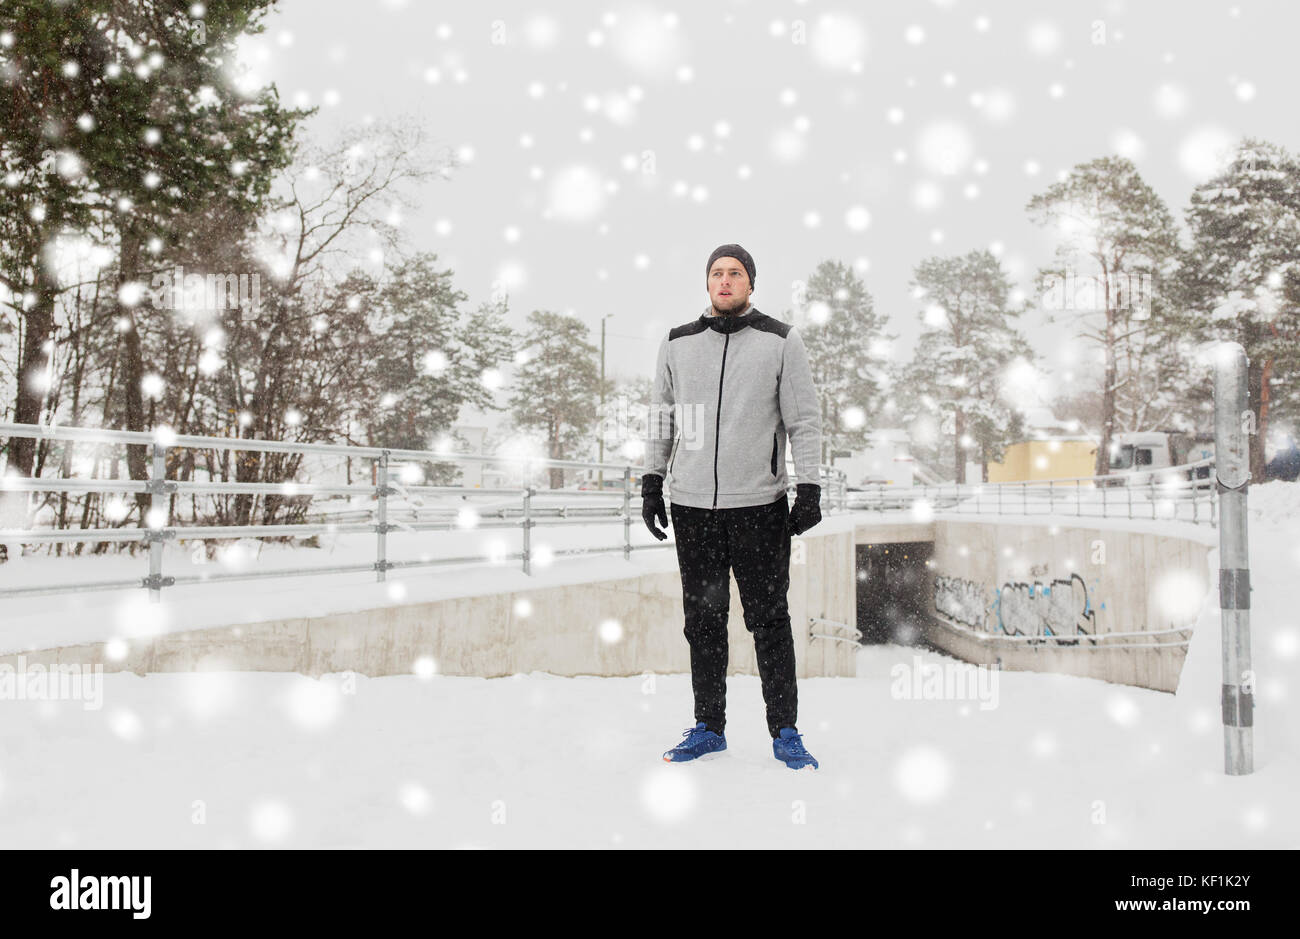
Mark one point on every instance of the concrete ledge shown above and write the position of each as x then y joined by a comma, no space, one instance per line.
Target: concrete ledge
485,636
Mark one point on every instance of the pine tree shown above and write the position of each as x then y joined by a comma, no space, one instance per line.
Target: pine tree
967,344
557,388
429,360
621,422
1117,241
126,112
843,334
1241,278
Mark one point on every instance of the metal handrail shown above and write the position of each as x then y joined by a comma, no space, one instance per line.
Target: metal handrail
1093,638
1177,486
1145,634
855,635
530,515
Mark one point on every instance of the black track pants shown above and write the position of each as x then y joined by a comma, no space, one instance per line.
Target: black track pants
752,539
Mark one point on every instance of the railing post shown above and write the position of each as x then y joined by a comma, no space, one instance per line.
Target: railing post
627,513
1128,486
157,484
1151,494
1232,478
1078,498
1051,496
1024,497
381,547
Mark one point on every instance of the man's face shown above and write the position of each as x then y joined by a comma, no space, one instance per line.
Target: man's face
729,286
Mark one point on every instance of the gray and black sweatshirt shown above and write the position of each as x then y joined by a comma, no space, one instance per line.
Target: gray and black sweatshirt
727,391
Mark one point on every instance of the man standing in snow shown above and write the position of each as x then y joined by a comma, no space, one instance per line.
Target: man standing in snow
728,387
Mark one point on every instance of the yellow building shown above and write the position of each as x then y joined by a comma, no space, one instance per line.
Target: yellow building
1048,458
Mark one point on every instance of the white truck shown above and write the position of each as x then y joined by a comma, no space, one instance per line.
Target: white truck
1136,458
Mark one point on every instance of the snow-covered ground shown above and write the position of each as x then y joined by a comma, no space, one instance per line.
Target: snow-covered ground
245,759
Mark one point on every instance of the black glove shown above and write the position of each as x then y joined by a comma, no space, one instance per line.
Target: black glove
652,504
806,511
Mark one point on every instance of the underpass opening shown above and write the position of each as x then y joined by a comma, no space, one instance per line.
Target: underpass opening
893,591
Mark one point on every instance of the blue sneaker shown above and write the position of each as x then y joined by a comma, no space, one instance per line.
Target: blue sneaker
700,741
788,748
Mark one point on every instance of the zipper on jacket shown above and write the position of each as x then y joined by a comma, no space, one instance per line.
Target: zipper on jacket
773,453
717,426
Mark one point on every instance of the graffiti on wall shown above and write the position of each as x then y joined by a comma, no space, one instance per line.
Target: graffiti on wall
961,600
1061,608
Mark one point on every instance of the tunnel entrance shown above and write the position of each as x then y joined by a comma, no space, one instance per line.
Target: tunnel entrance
892,585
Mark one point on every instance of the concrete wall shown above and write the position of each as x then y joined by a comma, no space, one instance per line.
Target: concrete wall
484,636
995,580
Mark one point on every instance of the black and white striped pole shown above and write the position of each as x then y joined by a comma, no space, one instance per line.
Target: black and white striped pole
1233,424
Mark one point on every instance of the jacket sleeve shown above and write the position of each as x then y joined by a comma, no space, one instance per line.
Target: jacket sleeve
801,410
660,427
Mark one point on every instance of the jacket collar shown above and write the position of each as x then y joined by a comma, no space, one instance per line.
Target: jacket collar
730,324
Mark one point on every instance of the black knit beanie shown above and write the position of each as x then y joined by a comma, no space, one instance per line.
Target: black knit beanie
733,251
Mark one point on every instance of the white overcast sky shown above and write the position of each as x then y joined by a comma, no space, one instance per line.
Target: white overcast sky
892,132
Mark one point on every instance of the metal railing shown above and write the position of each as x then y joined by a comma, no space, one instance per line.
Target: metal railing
1181,637
843,632
1175,493
379,519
